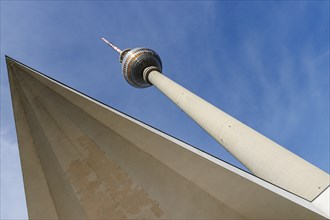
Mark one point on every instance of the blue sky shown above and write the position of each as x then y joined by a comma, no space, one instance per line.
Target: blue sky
264,62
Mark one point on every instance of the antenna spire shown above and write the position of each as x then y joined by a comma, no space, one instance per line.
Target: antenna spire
112,45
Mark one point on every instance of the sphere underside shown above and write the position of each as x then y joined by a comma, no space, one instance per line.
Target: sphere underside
135,61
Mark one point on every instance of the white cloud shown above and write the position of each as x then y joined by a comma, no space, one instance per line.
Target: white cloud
13,205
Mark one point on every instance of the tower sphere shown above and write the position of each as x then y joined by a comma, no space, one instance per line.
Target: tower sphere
134,61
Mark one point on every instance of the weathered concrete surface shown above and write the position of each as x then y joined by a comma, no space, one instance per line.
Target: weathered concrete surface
84,160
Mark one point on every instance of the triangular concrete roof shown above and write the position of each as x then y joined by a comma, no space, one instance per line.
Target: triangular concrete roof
83,159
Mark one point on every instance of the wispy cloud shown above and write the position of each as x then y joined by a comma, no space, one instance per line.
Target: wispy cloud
13,204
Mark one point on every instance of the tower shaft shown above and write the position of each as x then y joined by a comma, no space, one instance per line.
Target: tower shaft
266,159
263,157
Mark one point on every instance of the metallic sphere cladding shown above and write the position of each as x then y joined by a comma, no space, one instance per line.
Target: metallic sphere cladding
134,62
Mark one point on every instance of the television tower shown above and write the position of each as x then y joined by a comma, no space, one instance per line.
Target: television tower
263,157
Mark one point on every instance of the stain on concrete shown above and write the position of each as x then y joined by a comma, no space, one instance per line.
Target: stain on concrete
105,190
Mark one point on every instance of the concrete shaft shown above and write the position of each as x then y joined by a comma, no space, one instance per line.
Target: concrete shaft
260,155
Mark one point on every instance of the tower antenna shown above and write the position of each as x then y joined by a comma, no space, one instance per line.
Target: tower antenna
112,45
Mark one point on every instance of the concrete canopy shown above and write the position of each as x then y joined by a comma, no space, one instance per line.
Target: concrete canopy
82,159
